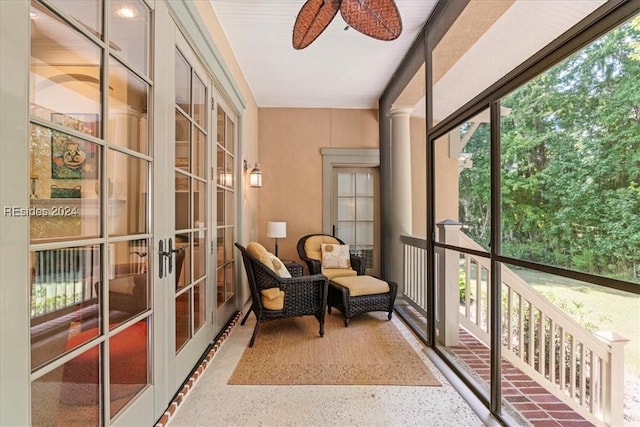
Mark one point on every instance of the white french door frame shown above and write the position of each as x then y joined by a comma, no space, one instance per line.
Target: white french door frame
183,361
222,313
334,158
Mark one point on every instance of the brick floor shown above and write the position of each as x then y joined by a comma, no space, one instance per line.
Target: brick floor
530,399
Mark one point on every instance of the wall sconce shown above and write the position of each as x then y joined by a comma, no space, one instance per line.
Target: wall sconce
255,176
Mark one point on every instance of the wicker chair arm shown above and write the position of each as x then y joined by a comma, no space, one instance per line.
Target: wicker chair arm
358,264
304,294
314,265
301,280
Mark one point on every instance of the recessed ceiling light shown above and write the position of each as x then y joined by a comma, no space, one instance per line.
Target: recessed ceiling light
33,14
126,12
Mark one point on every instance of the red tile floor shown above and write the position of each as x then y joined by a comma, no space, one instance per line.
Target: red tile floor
534,403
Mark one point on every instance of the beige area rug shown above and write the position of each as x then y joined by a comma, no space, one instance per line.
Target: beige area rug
371,351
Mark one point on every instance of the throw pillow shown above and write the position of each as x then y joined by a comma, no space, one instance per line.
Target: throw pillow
278,266
335,256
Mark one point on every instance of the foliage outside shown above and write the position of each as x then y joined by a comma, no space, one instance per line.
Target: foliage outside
570,163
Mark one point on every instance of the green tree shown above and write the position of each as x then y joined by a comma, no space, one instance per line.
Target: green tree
570,162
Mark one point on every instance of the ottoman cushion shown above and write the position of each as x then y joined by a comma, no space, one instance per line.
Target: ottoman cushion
362,285
331,273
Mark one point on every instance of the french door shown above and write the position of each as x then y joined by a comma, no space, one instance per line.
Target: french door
226,180
355,212
91,234
192,233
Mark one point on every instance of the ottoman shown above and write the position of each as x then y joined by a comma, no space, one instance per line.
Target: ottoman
354,295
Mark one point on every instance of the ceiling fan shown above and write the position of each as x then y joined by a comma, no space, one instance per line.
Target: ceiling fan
379,19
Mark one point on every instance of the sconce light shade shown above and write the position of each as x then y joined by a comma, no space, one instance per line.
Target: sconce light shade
255,177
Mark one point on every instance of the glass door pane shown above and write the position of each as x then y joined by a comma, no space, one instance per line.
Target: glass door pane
89,234
225,202
191,198
355,214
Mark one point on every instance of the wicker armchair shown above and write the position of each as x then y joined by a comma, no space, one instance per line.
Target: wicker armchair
303,295
314,264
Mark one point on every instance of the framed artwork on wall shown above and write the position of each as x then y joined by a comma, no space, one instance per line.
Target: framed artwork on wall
71,157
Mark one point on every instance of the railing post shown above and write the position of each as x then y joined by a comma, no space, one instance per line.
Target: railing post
448,287
613,397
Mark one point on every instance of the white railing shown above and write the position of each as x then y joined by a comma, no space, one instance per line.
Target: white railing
582,369
58,279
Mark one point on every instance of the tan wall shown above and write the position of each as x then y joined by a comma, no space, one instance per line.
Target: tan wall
446,185
290,140
446,192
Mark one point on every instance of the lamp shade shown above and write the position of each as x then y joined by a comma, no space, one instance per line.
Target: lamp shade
276,229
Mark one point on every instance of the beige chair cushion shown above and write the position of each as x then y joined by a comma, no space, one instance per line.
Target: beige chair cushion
272,298
338,272
362,285
258,251
335,256
268,259
313,246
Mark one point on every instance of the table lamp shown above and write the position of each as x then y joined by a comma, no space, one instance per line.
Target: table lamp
276,230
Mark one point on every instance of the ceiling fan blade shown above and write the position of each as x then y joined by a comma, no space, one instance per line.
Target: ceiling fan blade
313,18
379,19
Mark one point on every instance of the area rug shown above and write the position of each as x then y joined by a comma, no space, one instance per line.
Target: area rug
371,351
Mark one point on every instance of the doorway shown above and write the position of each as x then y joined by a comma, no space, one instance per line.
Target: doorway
355,213
351,207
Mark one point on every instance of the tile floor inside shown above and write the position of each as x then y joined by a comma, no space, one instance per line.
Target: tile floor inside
210,401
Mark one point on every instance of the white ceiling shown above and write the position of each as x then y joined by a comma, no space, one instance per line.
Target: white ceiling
340,69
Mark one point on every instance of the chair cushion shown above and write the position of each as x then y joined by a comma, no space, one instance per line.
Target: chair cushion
313,248
272,298
362,285
335,256
259,252
338,272
268,259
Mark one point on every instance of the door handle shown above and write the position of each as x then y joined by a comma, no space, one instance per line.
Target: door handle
161,256
164,255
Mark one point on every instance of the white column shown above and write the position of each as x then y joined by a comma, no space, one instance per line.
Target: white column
401,218
447,284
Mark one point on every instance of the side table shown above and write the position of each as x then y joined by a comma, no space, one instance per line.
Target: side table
294,267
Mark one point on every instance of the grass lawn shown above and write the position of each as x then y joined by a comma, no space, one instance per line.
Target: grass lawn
608,309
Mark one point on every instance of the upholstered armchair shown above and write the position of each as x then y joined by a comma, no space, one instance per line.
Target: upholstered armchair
310,251
278,294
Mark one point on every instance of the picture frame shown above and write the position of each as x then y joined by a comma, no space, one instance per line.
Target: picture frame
72,157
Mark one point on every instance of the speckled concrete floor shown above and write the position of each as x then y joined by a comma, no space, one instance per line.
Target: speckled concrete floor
212,402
